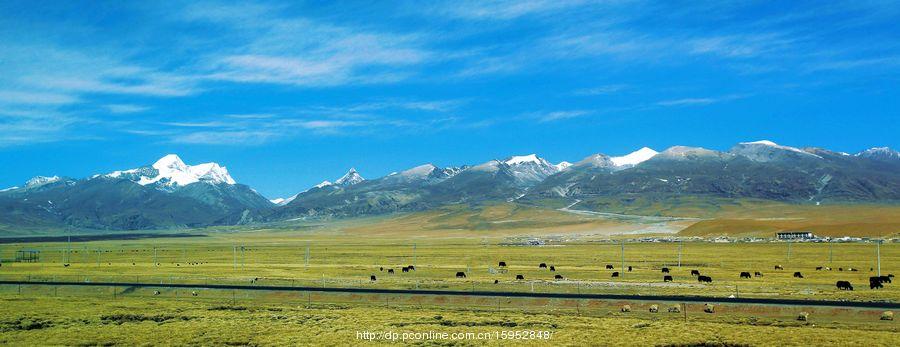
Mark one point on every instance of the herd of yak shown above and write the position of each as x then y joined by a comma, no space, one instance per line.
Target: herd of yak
875,282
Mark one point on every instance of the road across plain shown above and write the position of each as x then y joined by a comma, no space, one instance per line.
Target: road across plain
623,297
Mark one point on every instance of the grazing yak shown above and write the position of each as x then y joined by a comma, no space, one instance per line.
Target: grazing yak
411,267
757,274
667,278
844,285
542,266
626,308
615,274
886,279
381,269
629,268
745,274
460,274
372,278
695,272
405,269
818,268
797,274
609,267
194,293
779,267
391,271
552,268
558,277
520,277
875,283
501,264
705,279
496,281
654,308
709,308
155,292
675,309
665,270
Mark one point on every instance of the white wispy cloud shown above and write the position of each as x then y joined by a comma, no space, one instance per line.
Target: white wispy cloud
126,108
700,101
561,115
503,9
601,90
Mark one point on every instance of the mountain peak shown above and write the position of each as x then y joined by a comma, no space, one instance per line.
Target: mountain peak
765,150
596,160
419,171
170,170
521,159
170,161
562,165
350,178
38,181
880,153
634,158
690,153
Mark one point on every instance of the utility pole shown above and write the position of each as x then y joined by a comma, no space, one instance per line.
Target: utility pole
680,248
414,254
878,256
234,256
155,259
789,250
623,257
307,255
830,252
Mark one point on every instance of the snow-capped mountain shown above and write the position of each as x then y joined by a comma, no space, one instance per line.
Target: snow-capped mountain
685,153
170,193
170,171
350,178
634,158
38,181
765,151
880,153
166,194
530,169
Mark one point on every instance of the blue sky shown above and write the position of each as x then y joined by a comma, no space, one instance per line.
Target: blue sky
287,94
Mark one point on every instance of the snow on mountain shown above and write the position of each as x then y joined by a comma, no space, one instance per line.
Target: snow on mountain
171,171
563,165
350,178
596,160
880,153
323,184
283,201
8,189
521,159
634,158
765,150
530,169
689,153
420,171
38,181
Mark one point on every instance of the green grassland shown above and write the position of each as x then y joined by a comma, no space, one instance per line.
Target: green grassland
272,319
440,243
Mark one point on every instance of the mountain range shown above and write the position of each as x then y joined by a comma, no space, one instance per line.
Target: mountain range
172,194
